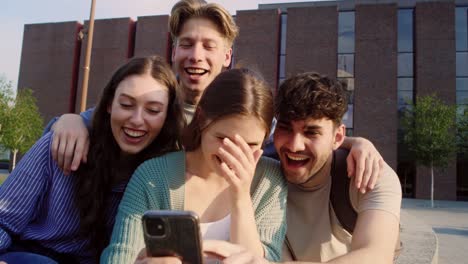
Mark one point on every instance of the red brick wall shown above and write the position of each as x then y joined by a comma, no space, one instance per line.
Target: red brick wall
258,43
48,65
312,40
375,94
435,72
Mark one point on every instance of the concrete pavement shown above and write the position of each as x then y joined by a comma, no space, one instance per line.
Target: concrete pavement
449,220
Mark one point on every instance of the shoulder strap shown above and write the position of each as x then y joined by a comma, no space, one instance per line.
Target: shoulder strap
339,193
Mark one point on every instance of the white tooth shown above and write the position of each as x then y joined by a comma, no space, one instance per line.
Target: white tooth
296,158
197,71
134,133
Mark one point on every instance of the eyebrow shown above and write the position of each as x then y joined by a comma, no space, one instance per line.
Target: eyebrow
191,39
184,39
312,127
306,127
133,99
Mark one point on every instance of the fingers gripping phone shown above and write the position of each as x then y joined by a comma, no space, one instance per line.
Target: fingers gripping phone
173,233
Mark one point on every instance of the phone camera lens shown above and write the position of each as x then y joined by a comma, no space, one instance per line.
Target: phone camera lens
156,227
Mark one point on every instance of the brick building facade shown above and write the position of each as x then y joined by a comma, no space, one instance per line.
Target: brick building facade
387,51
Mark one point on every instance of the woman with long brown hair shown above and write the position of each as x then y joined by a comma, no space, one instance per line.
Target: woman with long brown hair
47,217
239,196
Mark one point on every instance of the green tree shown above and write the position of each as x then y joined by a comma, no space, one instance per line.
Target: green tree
6,97
20,121
429,133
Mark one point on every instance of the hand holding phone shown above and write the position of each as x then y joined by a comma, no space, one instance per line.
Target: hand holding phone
173,233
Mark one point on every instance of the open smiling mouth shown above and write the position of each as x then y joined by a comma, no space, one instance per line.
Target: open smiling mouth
195,71
295,160
134,133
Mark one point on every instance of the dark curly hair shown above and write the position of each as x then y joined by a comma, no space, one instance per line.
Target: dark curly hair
105,169
312,95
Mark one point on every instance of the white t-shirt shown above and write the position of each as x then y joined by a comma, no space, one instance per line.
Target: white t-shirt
217,230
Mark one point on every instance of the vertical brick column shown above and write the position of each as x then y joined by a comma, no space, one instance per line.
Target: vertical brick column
375,94
152,36
435,73
258,43
49,66
112,46
312,40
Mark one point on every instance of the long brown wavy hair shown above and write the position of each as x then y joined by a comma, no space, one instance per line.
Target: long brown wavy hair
238,91
96,178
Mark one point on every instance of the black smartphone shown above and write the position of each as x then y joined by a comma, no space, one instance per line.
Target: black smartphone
173,233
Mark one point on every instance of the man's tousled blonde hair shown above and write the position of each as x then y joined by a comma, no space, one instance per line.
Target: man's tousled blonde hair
187,9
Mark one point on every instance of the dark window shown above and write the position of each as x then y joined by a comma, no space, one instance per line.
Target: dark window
462,84
405,30
462,109
405,64
348,117
346,32
284,22
348,83
462,64
345,65
405,84
405,97
282,66
282,56
406,171
462,180
345,71
461,28
462,97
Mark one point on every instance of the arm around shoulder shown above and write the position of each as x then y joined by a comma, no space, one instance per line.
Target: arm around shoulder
377,226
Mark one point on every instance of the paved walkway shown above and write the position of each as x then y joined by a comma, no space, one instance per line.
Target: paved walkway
449,221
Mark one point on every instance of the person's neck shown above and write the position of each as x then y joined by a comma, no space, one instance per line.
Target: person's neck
320,177
191,98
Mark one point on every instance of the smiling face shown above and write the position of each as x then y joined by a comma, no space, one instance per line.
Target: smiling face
138,112
199,55
248,127
305,146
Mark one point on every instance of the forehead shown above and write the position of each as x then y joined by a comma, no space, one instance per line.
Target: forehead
142,87
248,127
201,29
308,123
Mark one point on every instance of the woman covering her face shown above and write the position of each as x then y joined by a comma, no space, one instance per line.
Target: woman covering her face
47,216
239,196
